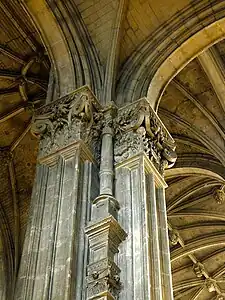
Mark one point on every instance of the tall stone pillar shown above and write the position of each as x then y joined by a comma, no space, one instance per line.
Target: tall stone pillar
55,253
143,149
104,231
99,180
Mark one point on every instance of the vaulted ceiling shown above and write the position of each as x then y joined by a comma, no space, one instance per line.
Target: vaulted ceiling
24,70
192,108
117,47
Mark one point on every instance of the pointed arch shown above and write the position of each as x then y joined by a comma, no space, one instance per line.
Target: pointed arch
54,42
73,56
169,49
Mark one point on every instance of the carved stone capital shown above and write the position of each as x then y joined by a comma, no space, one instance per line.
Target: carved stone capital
71,118
139,129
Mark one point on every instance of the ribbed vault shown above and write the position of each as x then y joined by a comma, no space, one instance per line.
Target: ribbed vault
192,108
24,72
124,50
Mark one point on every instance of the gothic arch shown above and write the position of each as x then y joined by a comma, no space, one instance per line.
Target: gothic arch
55,43
72,53
157,60
190,49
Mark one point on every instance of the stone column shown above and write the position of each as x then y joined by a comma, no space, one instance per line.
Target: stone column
143,149
54,259
104,232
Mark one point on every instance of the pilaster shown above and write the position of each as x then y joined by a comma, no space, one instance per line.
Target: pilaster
54,259
143,149
98,224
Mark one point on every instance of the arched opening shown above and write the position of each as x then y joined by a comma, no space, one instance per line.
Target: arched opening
168,49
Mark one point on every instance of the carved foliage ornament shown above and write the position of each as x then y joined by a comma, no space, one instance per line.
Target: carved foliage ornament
219,195
103,276
80,104
73,117
104,237
138,128
78,115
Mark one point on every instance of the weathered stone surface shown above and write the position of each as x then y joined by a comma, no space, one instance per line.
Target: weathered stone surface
123,50
143,258
103,274
71,118
139,129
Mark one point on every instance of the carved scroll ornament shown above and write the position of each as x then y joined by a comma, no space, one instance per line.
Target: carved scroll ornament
73,117
78,116
138,128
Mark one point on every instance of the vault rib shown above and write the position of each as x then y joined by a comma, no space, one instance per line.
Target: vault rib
212,64
199,105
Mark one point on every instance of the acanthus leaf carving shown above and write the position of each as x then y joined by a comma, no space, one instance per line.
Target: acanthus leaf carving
138,128
79,116
74,117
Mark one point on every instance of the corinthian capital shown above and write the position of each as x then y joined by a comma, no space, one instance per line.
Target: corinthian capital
68,119
139,129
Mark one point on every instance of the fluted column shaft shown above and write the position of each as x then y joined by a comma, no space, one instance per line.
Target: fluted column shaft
140,257
143,148
55,255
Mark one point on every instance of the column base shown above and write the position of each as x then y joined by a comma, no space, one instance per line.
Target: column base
103,280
